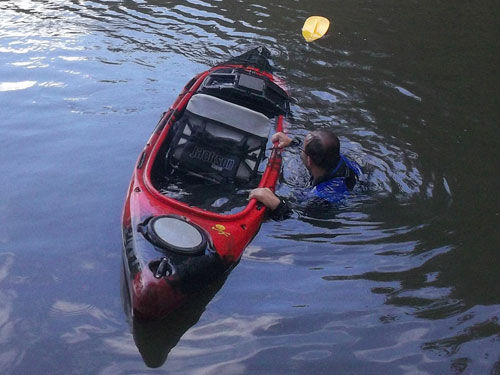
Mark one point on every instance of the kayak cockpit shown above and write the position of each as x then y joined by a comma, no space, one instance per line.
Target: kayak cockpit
216,147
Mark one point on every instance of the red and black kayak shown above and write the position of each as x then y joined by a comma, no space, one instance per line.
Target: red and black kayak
186,219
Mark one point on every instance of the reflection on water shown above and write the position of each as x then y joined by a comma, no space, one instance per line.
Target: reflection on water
155,339
401,279
9,356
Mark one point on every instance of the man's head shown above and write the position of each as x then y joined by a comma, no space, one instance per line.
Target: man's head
323,149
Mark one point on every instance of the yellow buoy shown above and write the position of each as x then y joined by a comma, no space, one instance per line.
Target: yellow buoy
315,27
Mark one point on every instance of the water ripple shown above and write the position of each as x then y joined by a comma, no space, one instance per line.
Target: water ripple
400,279
13,86
69,309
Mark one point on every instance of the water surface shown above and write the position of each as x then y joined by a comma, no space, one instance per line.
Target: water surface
401,280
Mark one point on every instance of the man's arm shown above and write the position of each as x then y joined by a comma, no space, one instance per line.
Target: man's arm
278,206
266,197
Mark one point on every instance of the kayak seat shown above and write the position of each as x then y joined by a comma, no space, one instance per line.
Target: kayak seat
219,140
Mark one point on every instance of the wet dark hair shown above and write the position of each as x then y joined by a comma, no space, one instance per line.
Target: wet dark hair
323,148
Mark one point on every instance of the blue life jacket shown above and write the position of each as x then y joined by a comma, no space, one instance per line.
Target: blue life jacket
335,186
332,188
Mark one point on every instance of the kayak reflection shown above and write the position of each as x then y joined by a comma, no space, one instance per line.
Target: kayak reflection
156,338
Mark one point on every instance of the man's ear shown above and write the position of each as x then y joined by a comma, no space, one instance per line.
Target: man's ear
308,161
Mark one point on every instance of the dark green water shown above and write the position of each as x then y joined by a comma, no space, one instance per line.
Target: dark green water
402,280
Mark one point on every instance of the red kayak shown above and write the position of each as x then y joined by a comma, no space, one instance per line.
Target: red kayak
186,219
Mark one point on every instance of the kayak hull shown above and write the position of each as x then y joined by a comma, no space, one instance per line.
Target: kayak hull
160,280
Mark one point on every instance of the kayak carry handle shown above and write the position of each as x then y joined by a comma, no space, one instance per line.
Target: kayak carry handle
164,268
